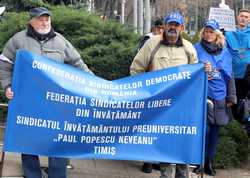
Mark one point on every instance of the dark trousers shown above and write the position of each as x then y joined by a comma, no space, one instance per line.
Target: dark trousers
31,167
212,137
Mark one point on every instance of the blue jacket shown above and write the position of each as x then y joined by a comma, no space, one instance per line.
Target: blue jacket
239,46
221,71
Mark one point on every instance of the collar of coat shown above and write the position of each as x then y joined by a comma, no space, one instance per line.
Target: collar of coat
40,37
178,43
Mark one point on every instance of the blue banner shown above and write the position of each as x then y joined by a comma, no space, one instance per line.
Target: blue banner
61,111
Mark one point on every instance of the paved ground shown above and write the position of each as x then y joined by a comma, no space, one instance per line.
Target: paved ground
109,169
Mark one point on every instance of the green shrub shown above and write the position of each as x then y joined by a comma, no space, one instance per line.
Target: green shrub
186,36
233,146
226,153
193,39
10,24
105,46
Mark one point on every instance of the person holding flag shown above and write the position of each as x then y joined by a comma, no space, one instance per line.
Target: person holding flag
221,87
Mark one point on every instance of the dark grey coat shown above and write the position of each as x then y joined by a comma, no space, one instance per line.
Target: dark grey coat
57,48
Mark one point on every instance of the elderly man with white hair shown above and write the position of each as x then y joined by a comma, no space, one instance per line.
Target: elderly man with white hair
39,37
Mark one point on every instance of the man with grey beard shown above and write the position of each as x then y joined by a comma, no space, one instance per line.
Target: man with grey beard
168,49
162,51
38,38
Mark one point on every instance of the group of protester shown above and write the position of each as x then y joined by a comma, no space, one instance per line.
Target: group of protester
228,58
223,60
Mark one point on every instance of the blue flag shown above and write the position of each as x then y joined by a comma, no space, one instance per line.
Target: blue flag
61,111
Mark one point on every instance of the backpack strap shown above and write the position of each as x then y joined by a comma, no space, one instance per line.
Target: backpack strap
157,47
187,53
190,52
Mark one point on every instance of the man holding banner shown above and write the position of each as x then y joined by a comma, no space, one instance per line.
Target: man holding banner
163,51
39,38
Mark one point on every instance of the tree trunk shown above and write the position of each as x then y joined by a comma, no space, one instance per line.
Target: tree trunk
140,11
135,16
147,16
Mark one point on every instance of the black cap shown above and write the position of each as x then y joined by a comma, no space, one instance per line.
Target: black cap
158,22
39,11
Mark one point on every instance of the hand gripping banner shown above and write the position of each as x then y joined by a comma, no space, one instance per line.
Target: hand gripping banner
61,111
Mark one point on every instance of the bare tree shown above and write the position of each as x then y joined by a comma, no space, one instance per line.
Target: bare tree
140,15
135,15
147,16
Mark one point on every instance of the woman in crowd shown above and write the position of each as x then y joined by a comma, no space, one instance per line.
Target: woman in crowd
221,87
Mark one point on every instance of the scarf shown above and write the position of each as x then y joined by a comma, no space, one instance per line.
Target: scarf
211,48
40,37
